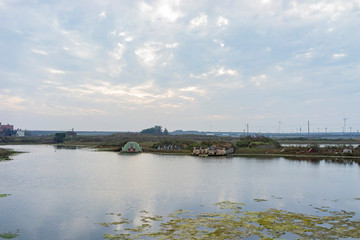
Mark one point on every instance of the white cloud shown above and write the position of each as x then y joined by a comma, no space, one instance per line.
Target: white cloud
193,89
259,80
113,69
339,55
112,34
146,94
172,45
200,21
222,22
306,54
320,9
59,110
219,42
129,39
148,53
152,53
279,68
123,34
126,36
13,103
217,117
228,84
162,10
51,82
41,52
223,71
311,101
215,72
268,49
76,44
55,71
118,51
297,79
102,16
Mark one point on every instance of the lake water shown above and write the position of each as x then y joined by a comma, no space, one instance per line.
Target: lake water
63,193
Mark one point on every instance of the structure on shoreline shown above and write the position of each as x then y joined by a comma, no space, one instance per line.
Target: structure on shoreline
131,147
212,151
7,130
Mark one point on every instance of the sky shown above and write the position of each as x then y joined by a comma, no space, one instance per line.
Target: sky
191,65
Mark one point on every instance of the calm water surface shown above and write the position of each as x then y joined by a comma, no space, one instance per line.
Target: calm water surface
63,193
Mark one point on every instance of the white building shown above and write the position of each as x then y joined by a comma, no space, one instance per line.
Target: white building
20,133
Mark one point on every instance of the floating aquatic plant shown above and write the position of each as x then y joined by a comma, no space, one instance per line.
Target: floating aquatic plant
9,235
4,195
260,200
231,222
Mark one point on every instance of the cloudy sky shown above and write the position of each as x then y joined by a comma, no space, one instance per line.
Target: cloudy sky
204,65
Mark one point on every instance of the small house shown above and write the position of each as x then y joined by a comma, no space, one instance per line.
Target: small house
131,147
347,151
20,133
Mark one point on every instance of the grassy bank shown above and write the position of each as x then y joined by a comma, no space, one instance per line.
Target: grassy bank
6,153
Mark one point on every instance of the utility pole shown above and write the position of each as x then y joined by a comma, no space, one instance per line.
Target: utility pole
308,129
279,126
344,129
247,128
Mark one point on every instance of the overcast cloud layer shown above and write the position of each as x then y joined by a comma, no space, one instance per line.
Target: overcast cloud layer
205,65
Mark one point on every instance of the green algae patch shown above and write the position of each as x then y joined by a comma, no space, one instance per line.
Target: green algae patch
9,235
4,195
231,222
260,200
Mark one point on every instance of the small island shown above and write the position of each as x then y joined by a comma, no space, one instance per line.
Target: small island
159,141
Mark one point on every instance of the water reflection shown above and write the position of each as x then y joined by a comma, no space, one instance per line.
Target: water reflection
67,147
317,161
61,194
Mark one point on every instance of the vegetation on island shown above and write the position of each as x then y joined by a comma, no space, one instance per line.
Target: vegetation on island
257,142
230,221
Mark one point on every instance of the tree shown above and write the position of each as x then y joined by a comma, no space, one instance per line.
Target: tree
59,137
157,130
7,133
166,132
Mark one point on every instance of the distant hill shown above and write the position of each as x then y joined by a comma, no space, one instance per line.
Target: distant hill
82,133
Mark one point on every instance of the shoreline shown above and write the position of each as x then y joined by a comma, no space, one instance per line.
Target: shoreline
5,153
